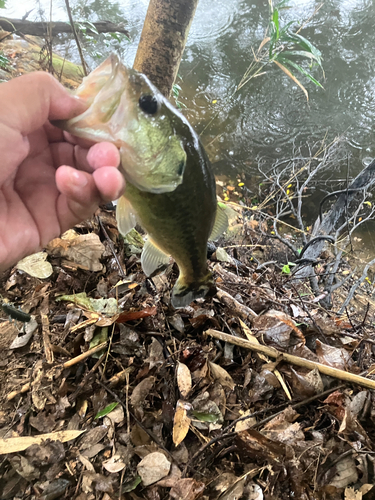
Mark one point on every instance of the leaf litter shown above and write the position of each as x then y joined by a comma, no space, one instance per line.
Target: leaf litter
116,395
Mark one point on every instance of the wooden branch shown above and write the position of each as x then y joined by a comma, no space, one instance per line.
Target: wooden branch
294,360
40,28
364,180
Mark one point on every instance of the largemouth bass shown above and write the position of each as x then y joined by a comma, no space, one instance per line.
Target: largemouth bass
170,188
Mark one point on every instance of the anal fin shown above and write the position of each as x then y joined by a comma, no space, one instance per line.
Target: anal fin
221,222
125,216
153,259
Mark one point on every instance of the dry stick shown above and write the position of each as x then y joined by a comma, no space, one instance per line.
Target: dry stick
84,67
67,364
229,301
294,360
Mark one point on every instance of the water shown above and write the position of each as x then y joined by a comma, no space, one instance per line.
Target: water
270,117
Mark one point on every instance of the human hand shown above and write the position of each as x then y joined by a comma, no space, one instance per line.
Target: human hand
47,184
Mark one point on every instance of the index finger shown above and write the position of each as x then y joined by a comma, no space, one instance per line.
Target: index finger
28,101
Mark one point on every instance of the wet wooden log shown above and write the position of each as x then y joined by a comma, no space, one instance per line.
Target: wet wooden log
40,28
329,224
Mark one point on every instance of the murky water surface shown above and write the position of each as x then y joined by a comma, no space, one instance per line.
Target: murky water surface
270,117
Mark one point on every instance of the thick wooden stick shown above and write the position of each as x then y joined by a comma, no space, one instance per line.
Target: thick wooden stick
294,360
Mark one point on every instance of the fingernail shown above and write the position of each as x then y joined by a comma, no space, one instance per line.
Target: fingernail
79,179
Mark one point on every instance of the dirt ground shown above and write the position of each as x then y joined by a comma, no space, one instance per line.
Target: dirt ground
107,392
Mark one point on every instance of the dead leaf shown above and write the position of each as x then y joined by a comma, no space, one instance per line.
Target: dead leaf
133,315
333,356
141,391
114,464
221,375
36,265
184,379
187,489
13,445
346,473
181,422
84,250
23,337
153,467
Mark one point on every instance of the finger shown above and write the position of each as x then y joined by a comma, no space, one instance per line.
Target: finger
81,193
103,154
28,101
109,182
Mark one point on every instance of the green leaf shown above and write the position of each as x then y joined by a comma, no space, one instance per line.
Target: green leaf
284,31
106,410
275,19
205,417
301,70
130,486
286,269
301,53
306,44
92,27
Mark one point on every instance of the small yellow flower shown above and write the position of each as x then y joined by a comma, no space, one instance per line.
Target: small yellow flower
240,184
214,101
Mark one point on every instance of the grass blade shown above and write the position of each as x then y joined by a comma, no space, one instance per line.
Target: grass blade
301,70
292,77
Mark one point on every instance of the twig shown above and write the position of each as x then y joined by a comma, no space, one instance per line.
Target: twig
84,67
356,285
67,364
243,311
226,433
48,349
294,360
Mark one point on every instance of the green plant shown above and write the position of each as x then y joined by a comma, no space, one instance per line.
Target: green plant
286,49
286,269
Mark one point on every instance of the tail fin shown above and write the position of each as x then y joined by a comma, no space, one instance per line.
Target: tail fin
184,293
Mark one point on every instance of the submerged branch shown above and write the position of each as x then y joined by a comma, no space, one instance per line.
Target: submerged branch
41,28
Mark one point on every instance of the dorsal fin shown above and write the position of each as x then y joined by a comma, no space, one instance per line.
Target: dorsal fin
125,216
221,222
153,259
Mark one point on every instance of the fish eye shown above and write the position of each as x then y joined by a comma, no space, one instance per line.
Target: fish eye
148,103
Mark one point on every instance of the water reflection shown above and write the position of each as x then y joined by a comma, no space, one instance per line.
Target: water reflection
269,116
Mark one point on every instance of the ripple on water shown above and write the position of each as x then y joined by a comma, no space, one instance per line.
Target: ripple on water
221,14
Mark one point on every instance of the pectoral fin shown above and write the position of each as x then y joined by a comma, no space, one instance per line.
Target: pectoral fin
221,222
125,216
153,259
